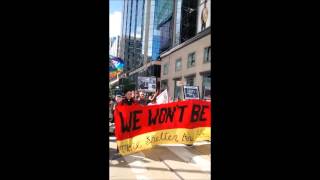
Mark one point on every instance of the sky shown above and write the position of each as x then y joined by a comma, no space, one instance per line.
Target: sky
115,17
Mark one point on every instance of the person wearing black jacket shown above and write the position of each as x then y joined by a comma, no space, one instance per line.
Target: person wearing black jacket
128,100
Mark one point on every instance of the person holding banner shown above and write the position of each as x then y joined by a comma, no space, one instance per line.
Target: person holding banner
153,99
113,105
128,99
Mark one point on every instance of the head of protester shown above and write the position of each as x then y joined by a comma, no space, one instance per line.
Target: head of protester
118,98
142,95
128,98
136,95
142,100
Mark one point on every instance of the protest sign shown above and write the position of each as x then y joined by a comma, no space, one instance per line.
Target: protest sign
147,84
163,97
191,92
140,127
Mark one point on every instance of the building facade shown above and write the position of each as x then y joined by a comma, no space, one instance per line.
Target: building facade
189,63
188,58
114,46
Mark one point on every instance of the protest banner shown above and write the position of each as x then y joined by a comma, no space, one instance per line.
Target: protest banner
140,127
163,97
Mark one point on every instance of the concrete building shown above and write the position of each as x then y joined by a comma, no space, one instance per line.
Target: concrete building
189,62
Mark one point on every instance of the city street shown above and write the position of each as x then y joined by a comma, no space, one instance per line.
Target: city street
163,162
160,58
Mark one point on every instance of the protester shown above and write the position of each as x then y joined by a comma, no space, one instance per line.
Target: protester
118,98
111,109
114,104
153,98
128,99
142,100
136,95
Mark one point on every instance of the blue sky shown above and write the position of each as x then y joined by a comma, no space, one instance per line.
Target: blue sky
115,5
115,17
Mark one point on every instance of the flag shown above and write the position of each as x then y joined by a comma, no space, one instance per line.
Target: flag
115,66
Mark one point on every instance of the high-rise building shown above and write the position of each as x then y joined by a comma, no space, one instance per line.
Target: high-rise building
140,42
114,46
177,22
165,23
132,32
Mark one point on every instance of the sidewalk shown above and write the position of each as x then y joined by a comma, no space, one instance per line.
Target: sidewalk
163,162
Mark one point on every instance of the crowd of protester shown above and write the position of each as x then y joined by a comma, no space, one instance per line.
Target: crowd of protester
137,97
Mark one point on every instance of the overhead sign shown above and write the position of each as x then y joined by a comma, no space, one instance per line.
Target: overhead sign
147,84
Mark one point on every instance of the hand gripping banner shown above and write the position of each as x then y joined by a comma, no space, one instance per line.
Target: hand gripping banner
140,127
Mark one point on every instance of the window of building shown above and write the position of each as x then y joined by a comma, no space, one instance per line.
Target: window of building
207,55
165,69
191,60
206,86
177,90
178,64
190,81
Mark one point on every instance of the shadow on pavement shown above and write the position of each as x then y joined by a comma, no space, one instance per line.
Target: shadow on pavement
159,153
159,169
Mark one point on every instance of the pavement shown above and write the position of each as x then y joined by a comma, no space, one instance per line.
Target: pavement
163,162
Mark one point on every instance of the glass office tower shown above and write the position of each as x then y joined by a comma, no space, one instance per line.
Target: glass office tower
132,32
165,23
177,22
139,31
140,38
